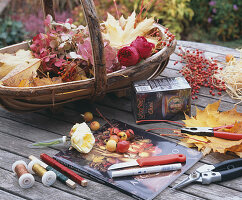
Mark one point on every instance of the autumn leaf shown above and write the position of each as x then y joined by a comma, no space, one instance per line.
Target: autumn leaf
211,117
8,62
23,66
39,82
122,32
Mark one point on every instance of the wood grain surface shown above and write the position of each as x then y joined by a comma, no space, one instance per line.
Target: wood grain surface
19,130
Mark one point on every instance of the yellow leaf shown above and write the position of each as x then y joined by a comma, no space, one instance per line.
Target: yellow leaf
122,32
210,117
39,82
230,117
26,70
222,145
9,61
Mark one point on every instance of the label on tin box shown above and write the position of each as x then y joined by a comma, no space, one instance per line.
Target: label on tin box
167,98
161,85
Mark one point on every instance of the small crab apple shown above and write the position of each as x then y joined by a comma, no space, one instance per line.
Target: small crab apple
122,135
129,133
123,146
87,116
111,145
115,138
94,126
114,131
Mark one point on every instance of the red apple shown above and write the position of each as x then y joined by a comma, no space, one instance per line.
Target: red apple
123,146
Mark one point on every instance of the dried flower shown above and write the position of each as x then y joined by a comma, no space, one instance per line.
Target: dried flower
82,138
143,46
128,56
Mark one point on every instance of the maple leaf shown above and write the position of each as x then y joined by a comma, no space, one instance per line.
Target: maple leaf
211,117
26,70
39,82
9,61
122,32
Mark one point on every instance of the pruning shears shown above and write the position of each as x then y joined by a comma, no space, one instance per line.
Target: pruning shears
212,132
207,174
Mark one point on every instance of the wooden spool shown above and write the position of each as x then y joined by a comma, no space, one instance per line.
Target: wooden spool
34,98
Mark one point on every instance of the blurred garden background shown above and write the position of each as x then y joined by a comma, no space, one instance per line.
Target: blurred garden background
216,22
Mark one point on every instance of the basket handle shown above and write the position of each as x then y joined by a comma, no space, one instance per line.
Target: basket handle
100,77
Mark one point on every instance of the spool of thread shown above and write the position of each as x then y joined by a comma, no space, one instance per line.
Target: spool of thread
59,175
48,177
26,180
72,175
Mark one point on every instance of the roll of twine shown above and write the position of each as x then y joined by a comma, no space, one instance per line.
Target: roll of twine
20,170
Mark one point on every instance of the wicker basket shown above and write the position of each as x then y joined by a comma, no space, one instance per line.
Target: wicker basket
35,98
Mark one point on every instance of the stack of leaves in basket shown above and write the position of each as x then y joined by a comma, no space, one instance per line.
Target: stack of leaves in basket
64,52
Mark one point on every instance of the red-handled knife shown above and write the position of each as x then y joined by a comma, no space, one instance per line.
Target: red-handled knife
151,161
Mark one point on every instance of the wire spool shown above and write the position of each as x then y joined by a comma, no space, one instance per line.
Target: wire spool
48,177
26,180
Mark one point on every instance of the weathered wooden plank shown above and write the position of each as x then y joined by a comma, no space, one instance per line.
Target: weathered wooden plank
87,192
203,91
111,111
9,158
208,47
10,183
8,196
235,184
212,191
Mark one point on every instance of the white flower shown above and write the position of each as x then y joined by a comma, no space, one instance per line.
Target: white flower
82,138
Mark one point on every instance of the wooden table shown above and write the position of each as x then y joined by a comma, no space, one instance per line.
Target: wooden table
19,130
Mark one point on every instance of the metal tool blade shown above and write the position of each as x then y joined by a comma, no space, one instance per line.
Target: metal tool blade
195,176
123,165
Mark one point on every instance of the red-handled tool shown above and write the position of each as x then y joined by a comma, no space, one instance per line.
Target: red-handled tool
151,161
212,132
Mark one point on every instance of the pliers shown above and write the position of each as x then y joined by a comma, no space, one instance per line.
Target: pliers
207,174
212,132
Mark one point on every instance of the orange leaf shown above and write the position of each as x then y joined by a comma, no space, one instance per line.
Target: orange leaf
211,117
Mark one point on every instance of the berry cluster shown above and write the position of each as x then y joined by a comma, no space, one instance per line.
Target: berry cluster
199,71
167,39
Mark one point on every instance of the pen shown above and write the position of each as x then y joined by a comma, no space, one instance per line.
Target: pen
61,177
72,175
146,170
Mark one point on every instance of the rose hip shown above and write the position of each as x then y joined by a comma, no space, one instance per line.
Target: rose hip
199,71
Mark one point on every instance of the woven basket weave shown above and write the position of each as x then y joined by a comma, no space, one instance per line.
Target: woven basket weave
34,98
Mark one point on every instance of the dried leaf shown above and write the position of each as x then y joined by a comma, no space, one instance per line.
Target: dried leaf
39,82
211,117
230,117
222,145
9,61
122,32
26,70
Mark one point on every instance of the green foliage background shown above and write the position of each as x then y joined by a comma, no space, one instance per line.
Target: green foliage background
195,20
